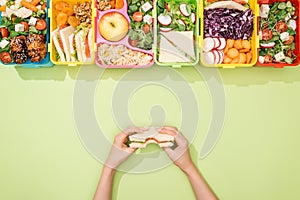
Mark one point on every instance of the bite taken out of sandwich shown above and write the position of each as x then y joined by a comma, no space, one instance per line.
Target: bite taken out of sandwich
141,140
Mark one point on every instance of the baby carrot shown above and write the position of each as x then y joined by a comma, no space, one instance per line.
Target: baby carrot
44,6
29,6
35,2
2,8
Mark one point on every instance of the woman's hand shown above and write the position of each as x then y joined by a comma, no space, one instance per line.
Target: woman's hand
180,155
120,152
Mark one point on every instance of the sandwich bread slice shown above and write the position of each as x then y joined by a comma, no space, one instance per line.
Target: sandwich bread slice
64,36
141,140
56,39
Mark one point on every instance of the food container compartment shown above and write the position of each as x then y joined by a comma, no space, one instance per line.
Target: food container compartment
113,26
274,63
215,49
176,26
21,53
72,32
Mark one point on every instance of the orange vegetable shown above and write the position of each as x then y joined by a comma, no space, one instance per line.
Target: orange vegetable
235,61
244,50
249,57
227,60
2,8
226,49
73,21
44,6
238,44
242,58
119,4
246,44
230,43
112,4
35,2
61,18
61,5
233,53
29,6
68,10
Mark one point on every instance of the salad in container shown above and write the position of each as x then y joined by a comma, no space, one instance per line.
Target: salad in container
124,33
24,33
72,32
229,33
176,32
278,33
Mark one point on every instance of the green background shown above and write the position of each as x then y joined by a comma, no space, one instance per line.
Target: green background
257,156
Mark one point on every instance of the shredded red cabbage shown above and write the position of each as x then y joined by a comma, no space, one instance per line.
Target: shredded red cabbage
228,23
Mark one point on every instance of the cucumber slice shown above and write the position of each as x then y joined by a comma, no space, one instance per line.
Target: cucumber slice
282,6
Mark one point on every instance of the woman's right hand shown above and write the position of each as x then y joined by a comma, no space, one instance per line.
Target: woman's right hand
181,154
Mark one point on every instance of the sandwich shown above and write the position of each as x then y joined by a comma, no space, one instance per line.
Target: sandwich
141,140
177,46
73,44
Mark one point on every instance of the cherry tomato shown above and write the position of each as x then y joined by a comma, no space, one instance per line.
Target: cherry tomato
281,27
137,16
290,41
5,57
289,53
146,28
4,32
41,25
26,27
268,58
133,43
267,34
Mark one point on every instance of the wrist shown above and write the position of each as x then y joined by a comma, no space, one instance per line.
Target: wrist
190,169
108,171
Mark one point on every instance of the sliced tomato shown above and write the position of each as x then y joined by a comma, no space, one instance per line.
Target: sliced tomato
4,32
41,25
146,28
87,47
133,43
137,16
26,27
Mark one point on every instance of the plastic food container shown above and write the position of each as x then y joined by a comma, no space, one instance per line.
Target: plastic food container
111,41
44,62
108,43
253,40
296,4
53,12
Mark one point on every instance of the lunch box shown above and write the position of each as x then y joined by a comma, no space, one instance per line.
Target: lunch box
46,62
100,40
52,13
296,3
255,43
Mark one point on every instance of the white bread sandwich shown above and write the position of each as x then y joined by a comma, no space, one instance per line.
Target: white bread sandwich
141,140
64,36
56,41
73,45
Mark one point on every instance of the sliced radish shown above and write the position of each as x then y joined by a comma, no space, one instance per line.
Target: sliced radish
193,17
217,43
165,29
182,22
184,10
208,44
164,20
217,57
261,59
222,55
208,58
222,43
269,45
